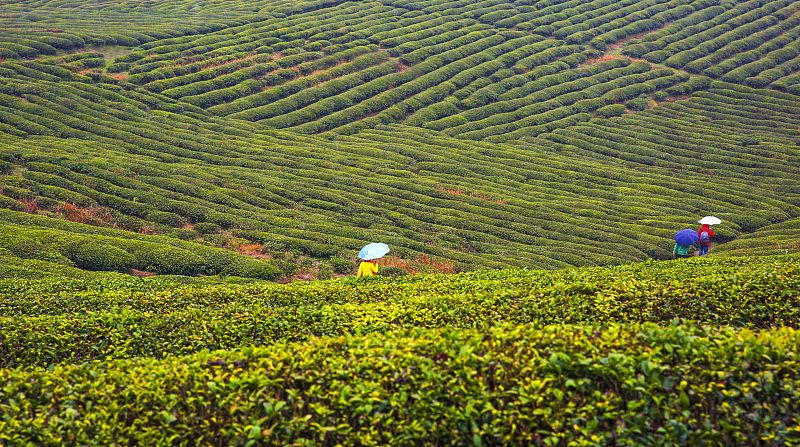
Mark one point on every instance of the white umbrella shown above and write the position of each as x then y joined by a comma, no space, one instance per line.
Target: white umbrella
373,251
710,220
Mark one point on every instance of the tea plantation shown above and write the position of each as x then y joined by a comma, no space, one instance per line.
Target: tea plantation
464,134
164,163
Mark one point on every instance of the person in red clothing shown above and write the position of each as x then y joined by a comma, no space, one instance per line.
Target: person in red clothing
704,235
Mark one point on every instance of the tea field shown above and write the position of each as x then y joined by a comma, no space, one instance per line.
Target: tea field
164,164
465,134
592,193
774,239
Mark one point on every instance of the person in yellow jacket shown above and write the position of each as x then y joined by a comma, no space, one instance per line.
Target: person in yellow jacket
367,268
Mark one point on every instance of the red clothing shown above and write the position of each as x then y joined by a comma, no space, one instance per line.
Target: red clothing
705,227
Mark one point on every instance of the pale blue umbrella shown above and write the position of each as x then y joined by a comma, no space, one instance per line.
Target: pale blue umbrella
372,251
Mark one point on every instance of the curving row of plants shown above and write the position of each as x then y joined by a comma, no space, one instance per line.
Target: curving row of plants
558,199
446,52
88,248
505,385
42,328
752,42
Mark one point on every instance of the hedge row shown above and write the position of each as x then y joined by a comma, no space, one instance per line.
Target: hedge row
549,83
631,385
250,107
119,251
90,325
565,99
716,40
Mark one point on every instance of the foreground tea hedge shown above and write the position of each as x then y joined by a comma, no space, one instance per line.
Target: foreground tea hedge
40,329
558,385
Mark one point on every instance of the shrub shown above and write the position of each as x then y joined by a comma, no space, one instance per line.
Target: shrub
638,104
391,272
750,141
252,268
660,95
93,255
341,266
171,261
32,249
319,391
207,227
325,270
746,292
611,110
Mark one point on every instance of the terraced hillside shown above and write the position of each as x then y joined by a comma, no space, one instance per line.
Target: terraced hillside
781,238
465,134
474,69
47,27
478,204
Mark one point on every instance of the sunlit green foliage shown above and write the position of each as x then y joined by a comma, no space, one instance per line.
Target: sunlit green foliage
53,326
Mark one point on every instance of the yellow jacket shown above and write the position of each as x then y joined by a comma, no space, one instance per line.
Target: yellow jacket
367,268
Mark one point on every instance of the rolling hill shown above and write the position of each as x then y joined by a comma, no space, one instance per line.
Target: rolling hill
465,134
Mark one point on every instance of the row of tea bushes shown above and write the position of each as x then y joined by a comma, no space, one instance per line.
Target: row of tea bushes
562,199
781,238
557,385
35,28
751,42
90,248
437,59
42,329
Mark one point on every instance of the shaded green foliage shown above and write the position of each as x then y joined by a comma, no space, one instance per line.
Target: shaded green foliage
92,248
200,178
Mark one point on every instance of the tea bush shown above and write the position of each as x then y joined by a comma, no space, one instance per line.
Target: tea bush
65,325
611,110
92,255
511,73
96,248
505,385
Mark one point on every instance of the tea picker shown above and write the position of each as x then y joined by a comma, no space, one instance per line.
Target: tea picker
368,254
705,234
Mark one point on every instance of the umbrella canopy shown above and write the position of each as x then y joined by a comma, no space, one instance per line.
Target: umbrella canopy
710,220
373,251
686,237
